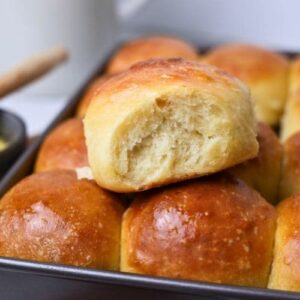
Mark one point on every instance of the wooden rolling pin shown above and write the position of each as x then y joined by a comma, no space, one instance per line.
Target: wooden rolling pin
31,69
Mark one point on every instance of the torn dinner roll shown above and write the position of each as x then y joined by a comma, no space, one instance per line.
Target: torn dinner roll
167,120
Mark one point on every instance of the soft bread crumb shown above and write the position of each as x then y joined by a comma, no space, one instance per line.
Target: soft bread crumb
144,130
173,136
84,173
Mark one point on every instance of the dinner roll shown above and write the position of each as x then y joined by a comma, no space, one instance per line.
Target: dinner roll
290,177
291,118
263,172
63,148
166,120
265,72
294,79
285,274
89,93
210,229
54,217
150,47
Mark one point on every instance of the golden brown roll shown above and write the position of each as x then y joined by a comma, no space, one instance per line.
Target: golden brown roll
265,72
63,148
89,93
263,172
215,229
150,47
291,118
54,217
290,177
285,274
166,120
294,79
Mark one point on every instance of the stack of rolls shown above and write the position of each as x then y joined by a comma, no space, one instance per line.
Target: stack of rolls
197,156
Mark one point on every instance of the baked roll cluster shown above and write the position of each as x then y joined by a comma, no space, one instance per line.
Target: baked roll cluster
192,146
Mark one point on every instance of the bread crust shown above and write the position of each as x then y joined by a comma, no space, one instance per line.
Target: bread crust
214,229
263,172
89,93
130,100
265,72
290,177
54,217
63,148
150,47
285,274
291,119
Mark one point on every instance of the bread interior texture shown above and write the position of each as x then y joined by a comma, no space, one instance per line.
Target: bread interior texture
172,137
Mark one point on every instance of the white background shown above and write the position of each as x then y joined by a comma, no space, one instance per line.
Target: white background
89,27
273,23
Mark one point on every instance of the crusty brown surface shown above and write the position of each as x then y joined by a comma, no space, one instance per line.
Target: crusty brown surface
159,72
263,172
291,119
89,93
247,62
125,97
285,274
290,178
53,217
63,148
290,123
214,229
292,150
264,71
150,47
294,80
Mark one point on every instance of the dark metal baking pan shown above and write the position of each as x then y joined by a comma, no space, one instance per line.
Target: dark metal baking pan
21,279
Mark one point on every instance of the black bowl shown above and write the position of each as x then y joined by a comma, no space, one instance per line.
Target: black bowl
13,131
